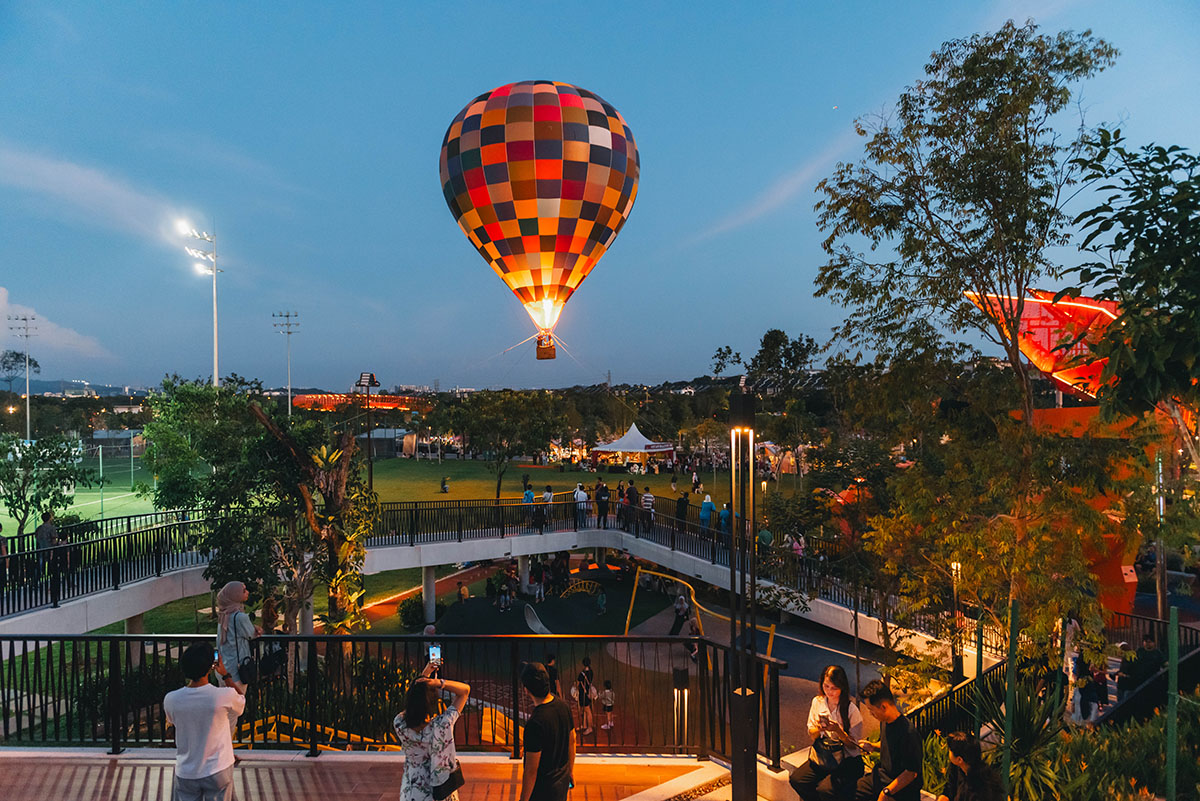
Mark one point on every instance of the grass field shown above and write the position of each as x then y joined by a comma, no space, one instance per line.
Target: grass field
395,480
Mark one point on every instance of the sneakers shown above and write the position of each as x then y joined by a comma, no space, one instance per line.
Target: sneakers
586,731
606,725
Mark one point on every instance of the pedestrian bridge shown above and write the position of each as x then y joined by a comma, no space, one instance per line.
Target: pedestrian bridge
121,574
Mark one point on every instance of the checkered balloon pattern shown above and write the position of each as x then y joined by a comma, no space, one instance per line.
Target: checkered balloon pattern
541,176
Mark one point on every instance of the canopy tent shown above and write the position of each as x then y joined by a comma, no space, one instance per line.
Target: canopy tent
633,442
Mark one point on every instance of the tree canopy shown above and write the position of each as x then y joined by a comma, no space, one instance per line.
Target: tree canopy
1146,235
961,191
39,476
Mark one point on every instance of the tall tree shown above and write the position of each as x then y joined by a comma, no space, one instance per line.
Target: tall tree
1146,234
505,425
12,364
961,192
39,477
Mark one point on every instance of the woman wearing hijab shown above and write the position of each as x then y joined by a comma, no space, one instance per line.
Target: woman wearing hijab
234,629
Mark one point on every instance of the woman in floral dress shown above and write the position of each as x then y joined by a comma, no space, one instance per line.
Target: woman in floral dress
428,737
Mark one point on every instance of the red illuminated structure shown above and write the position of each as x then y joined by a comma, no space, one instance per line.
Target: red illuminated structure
330,401
1044,324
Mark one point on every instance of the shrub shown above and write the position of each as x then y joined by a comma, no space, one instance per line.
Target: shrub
412,612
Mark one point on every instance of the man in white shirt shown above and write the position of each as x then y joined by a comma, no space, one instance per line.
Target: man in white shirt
203,716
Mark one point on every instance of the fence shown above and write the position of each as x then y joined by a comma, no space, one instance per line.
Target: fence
342,693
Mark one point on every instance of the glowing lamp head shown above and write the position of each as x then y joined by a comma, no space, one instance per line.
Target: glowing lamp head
203,269
183,227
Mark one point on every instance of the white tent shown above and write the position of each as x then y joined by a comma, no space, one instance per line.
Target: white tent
633,441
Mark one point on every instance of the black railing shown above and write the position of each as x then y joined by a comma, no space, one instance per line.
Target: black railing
105,527
955,710
49,576
344,692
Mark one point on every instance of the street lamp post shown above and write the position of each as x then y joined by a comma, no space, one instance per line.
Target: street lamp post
743,633
287,328
956,654
209,256
367,380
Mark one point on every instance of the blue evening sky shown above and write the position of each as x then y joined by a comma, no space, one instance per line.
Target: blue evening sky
310,133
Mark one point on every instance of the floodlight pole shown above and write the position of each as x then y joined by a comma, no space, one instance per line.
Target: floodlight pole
287,328
23,329
368,380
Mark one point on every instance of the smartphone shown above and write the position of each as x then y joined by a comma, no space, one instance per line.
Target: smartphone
435,654
216,656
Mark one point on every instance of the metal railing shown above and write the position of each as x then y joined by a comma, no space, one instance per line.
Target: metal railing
342,693
35,579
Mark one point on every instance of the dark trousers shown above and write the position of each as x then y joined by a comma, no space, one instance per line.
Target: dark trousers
871,785
808,778
602,513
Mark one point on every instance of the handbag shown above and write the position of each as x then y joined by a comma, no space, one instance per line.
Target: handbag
454,781
827,754
247,668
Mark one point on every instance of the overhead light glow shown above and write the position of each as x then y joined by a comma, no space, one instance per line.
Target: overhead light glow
183,227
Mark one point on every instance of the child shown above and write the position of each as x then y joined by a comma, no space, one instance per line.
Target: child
601,602
606,702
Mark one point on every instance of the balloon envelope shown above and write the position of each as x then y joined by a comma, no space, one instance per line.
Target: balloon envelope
540,176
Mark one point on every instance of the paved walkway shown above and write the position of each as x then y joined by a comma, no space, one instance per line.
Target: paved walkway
53,775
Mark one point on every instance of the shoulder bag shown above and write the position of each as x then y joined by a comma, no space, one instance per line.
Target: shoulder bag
247,668
454,781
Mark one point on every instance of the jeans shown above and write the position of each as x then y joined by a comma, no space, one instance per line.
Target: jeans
217,787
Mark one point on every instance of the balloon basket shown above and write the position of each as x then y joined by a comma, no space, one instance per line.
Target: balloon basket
545,346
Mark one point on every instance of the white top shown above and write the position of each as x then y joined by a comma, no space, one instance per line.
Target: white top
581,498
203,717
821,707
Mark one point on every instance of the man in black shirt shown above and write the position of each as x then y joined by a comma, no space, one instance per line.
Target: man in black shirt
897,774
602,496
549,740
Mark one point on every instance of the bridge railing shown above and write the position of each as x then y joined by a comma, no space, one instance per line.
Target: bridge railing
671,694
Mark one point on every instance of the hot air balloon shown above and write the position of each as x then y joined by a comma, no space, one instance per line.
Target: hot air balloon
540,176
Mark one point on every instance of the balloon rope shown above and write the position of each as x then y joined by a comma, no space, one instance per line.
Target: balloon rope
501,353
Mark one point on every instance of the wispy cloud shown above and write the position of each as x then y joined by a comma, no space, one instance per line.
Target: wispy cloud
785,189
196,146
49,335
85,193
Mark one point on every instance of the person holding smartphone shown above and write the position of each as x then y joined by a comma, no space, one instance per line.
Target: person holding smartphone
836,724
430,759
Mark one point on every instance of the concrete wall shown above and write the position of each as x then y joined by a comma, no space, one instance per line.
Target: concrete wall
93,611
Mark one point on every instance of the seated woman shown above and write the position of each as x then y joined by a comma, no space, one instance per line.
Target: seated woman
969,778
835,724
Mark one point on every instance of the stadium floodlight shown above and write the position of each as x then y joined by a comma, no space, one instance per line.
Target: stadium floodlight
186,229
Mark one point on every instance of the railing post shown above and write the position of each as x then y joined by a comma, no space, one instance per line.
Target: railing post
159,547
501,508
460,523
55,577
702,657
515,681
311,713
773,730
116,699
115,563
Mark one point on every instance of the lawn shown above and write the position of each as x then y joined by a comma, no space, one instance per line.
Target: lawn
420,480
